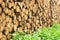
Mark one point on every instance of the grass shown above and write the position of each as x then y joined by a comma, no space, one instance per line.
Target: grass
46,33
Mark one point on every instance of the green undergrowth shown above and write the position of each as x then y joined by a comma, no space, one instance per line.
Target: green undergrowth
45,33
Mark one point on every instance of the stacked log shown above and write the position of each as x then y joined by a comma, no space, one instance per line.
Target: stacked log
26,15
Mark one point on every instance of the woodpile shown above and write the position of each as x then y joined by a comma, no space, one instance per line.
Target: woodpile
26,15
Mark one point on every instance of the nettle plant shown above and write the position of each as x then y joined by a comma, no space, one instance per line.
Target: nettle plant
46,33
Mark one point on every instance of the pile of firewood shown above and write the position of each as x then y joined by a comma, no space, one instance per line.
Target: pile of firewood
24,15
